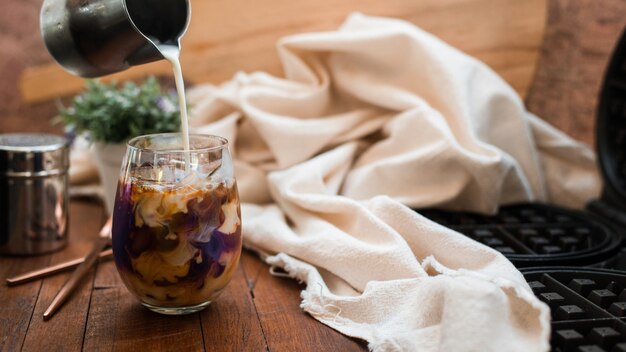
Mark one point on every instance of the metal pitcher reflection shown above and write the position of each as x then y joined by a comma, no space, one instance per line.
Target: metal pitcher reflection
93,38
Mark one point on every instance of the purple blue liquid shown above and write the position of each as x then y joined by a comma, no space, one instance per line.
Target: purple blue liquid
139,249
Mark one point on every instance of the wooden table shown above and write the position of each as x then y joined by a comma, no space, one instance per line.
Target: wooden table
257,312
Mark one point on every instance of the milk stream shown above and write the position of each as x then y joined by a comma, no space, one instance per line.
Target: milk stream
171,53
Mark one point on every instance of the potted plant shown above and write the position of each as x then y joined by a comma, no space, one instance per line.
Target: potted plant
111,115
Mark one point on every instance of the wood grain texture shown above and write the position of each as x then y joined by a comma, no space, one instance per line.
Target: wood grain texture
21,46
102,315
117,322
226,36
69,321
579,39
231,322
18,302
286,326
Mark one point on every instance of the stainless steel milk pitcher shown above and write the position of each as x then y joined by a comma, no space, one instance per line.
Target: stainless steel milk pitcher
92,38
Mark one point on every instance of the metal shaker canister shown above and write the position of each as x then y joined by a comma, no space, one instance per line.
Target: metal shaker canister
33,193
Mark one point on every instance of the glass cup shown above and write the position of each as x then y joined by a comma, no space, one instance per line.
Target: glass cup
176,224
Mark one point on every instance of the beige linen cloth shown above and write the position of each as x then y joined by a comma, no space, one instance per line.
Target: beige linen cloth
372,119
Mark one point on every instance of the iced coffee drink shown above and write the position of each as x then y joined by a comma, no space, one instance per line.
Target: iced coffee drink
177,223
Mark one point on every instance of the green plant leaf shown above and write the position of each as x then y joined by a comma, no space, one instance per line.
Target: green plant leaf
113,113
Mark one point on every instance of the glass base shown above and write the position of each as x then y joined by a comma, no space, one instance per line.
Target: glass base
177,310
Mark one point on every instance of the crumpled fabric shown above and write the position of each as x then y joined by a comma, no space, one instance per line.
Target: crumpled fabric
371,120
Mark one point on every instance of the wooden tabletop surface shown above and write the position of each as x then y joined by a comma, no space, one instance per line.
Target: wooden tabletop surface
256,312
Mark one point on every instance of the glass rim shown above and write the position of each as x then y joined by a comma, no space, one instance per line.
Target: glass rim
223,143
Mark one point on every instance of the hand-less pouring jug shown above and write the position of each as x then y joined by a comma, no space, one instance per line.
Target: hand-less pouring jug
92,38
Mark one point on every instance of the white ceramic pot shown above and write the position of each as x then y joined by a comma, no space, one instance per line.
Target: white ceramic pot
109,159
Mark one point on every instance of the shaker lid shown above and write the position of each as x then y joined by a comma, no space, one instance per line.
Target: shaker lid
33,155
611,128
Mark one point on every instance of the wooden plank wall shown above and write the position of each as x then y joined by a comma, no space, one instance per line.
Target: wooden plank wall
227,36
579,40
579,37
